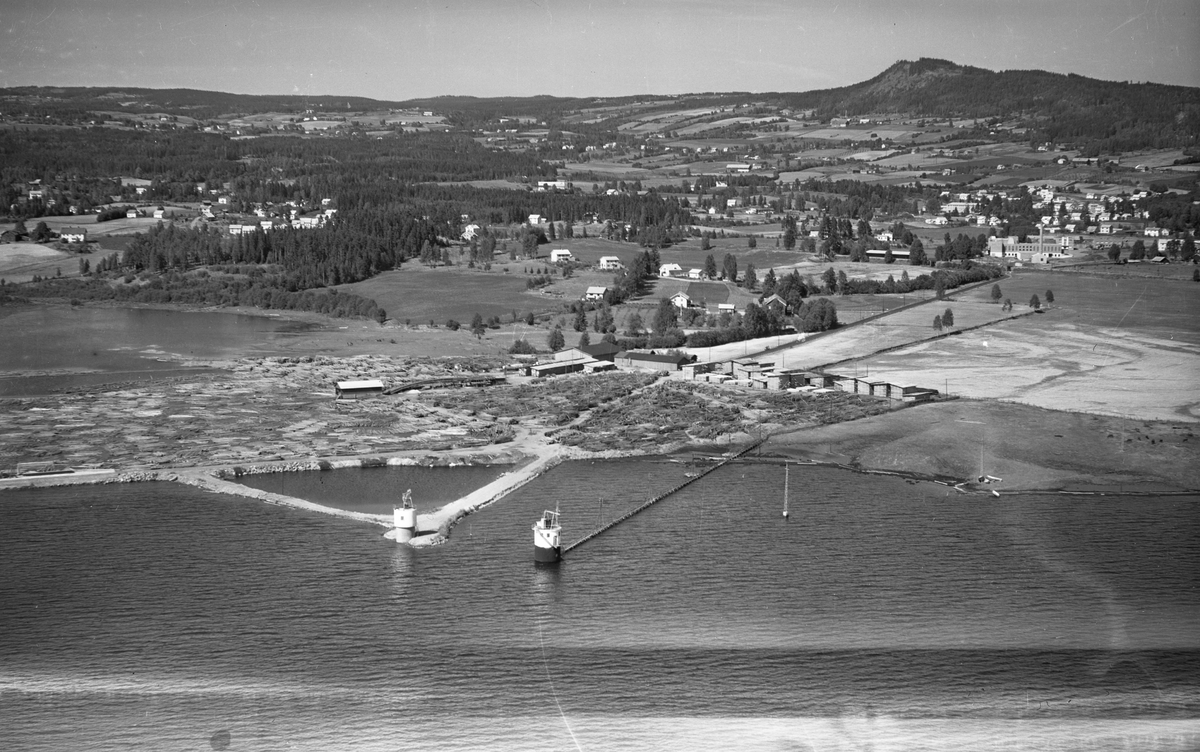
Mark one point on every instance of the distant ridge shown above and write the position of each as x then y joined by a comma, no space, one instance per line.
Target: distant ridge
1106,115
1064,108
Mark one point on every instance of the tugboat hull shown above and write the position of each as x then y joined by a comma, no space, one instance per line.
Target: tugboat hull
546,546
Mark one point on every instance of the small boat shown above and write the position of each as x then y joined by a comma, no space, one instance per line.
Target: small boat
785,490
546,546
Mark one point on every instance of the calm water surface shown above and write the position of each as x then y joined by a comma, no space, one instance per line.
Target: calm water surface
377,490
100,345
883,615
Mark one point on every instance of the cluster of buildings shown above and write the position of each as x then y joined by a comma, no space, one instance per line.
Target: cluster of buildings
747,373
270,217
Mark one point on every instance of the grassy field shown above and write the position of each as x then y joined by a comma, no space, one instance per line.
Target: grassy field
419,294
19,262
1163,307
1128,271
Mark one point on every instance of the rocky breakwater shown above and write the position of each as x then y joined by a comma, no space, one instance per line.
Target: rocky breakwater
434,527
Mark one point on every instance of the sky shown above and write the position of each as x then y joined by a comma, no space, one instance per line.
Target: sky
402,50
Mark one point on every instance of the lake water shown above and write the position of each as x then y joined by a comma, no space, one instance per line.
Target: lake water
78,346
884,615
377,490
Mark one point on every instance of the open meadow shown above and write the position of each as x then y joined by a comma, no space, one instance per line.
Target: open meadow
419,294
21,262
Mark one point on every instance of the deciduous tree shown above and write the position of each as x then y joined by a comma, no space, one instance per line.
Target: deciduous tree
729,267
633,324
769,282
665,317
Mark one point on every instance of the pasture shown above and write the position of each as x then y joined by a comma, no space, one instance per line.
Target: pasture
19,262
420,295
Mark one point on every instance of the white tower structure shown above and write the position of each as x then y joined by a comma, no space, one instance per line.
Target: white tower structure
405,518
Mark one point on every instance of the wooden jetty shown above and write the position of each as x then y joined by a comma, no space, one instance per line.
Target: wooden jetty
741,452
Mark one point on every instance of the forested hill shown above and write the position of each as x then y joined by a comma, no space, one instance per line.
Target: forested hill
1092,115
1107,116
203,105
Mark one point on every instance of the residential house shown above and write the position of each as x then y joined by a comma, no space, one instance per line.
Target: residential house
74,235
670,270
595,292
610,263
776,303
560,256
681,300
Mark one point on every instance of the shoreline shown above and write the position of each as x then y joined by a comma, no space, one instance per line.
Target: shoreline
434,527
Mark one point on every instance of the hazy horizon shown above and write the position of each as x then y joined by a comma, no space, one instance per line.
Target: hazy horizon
575,48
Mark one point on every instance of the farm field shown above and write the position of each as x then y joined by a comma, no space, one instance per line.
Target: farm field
588,250
19,262
420,295
1108,270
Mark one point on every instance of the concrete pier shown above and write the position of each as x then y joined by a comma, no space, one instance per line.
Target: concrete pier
434,527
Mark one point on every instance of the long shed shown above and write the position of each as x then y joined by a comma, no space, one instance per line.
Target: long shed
358,389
